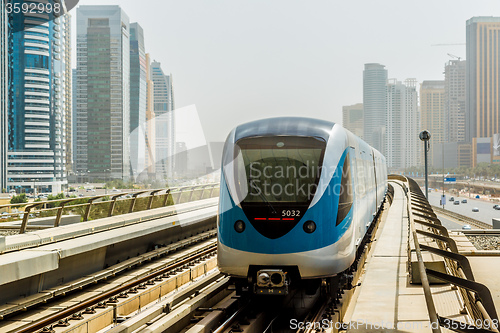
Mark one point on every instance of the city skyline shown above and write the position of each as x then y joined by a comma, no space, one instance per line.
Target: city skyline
111,61
239,62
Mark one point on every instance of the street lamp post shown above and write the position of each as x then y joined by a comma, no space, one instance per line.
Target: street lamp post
425,136
442,156
34,187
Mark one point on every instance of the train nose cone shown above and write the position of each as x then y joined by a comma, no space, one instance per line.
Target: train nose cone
263,279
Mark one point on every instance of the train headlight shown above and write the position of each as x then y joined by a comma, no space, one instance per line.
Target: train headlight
239,226
309,227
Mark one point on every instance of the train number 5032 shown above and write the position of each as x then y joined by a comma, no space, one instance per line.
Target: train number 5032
290,212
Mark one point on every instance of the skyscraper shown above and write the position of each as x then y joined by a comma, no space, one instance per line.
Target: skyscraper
483,72
164,118
433,115
403,123
375,105
352,118
4,94
454,99
138,91
73,116
37,105
150,158
103,98
68,95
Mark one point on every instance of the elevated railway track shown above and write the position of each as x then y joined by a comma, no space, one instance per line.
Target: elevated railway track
177,288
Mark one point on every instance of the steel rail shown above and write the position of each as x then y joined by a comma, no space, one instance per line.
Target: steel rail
229,321
37,325
317,317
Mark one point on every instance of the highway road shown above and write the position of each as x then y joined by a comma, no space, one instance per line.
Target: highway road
449,224
486,212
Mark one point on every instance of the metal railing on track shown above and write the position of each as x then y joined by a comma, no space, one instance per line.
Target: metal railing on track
100,206
475,296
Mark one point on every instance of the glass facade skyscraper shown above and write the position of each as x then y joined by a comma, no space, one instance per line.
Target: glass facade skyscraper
164,118
402,124
454,87
68,95
482,84
138,90
433,113
150,158
4,88
73,116
375,105
103,92
37,102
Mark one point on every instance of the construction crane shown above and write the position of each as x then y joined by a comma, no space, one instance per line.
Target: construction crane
448,44
454,56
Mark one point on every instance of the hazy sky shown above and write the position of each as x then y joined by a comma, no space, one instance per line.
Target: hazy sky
240,60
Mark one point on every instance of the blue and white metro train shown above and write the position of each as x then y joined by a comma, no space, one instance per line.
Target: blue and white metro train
297,196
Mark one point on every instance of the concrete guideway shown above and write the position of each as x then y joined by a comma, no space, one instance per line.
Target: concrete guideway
30,272
123,296
386,301
42,237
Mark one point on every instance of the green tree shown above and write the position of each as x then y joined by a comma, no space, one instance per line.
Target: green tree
53,199
21,198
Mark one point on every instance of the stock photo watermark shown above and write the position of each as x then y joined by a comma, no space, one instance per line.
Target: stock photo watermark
296,181
382,325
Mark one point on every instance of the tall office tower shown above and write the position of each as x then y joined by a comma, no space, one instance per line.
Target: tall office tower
352,118
73,116
165,126
138,96
433,115
68,92
37,114
4,94
454,99
103,98
483,71
375,105
402,147
150,158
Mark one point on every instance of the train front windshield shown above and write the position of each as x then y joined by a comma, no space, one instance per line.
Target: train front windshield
279,169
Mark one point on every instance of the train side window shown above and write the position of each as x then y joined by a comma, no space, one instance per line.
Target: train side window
346,191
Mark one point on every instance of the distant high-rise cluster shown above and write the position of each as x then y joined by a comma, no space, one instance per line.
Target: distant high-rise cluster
462,112
388,119
106,119
125,105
